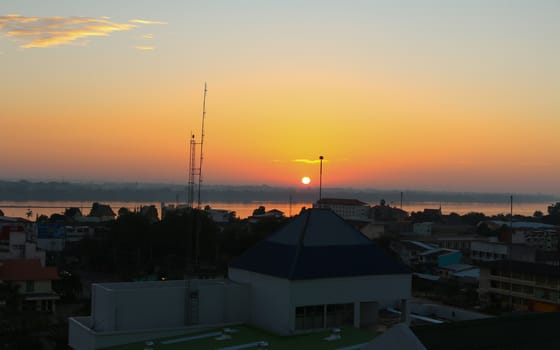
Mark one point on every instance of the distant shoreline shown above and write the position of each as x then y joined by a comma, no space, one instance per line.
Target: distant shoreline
24,191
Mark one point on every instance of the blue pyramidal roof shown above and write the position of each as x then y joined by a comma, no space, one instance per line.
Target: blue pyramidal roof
318,244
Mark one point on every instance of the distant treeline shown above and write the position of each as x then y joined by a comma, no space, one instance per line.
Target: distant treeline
139,192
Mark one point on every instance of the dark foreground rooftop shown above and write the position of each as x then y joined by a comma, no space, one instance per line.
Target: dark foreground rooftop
519,332
245,335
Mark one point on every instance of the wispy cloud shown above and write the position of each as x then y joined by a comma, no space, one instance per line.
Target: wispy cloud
143,21
308,161
53,31
144,48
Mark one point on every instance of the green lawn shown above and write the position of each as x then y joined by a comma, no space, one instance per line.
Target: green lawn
247,334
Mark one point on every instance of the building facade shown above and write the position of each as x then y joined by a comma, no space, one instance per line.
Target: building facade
520,286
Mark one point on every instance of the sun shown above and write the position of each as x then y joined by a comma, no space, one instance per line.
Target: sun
306,180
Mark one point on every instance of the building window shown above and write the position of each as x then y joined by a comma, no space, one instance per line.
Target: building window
29,286
309,317
319,316
340,315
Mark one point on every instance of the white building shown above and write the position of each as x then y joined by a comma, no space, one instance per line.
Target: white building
491,251
315,272
422,228
348,209
318,272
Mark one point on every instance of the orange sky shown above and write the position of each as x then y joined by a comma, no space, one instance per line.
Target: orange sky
449,98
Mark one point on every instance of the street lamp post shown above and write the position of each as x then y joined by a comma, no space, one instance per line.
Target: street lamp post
320,177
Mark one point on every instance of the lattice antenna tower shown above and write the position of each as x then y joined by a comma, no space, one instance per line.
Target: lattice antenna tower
201,143
195,170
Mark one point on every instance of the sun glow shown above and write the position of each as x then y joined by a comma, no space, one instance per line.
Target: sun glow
306,180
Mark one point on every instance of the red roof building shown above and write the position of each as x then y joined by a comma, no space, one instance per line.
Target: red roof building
33,281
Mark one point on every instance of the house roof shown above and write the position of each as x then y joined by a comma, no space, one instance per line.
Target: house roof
318,244
340,201
438,252
26,270
416,245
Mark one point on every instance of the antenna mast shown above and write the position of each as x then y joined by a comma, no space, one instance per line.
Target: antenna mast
201,144
194,170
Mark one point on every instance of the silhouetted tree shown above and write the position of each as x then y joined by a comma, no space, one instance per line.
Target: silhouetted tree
259,211
474,218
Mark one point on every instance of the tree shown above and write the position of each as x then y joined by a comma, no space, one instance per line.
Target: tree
259,211
474,218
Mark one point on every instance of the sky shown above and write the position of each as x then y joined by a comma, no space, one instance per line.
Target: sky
436,95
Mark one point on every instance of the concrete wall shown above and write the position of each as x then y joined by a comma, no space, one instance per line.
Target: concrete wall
270,301
80,336
102,309
152,305
384,289
223,303
161,307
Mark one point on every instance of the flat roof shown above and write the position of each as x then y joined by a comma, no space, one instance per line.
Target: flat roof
246,335
165,284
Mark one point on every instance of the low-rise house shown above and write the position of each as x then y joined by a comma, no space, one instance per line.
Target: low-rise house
461,272
439,257
409,251
221,216
270,215
33,281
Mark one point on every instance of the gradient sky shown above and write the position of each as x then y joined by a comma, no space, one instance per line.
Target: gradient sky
444,95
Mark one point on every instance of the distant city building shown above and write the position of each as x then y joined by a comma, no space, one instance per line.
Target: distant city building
77,233
348,209
491,251
422,228
18,240
542,239
273,214
102,212
220,216
383,212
